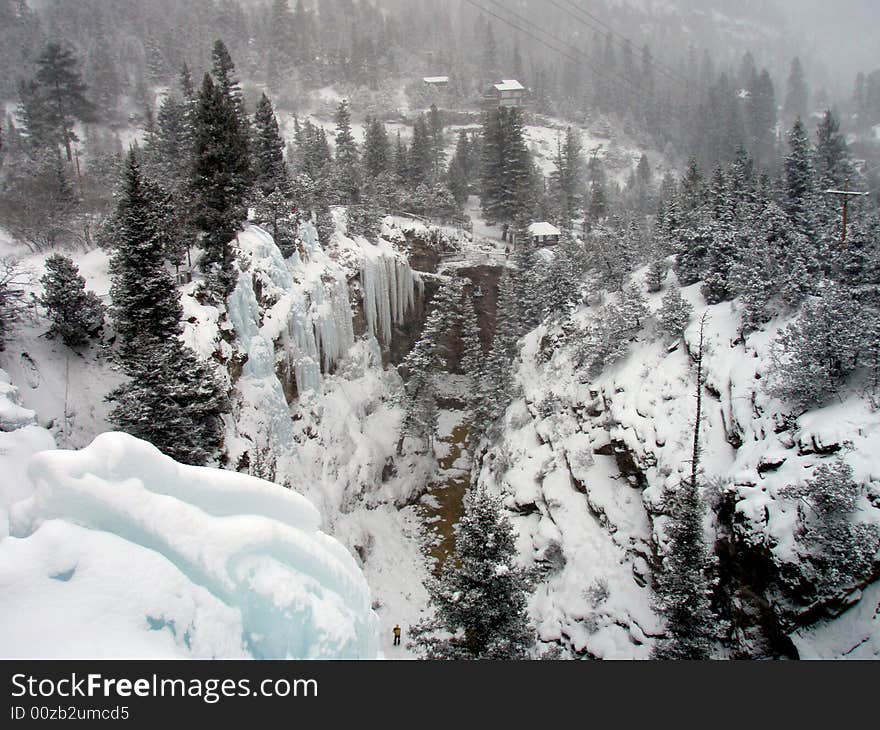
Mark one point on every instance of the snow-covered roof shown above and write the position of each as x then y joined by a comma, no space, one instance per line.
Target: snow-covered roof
510,85
543,228
436,79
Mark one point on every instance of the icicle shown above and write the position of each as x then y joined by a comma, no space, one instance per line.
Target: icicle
389,292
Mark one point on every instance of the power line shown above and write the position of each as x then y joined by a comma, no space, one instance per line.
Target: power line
584,58
662,68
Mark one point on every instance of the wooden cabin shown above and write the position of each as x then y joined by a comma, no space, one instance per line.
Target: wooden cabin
509,92
544,234
436,82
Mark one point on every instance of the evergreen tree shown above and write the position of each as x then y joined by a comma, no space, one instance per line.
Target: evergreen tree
567,179
401,160
282,44
598,207
472,351
796,93
800,188
223,71
656,275
813,356
221,177
55,99
376,150
459,174
508,317
762,116
506,168
722,255
480,596
76,315
274,212
560,283
675,313
145,304
684,587
173,400
347,177
841,551
420,157
831,156
435,133
692,187
270,171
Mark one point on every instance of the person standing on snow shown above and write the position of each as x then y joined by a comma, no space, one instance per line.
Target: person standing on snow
397,635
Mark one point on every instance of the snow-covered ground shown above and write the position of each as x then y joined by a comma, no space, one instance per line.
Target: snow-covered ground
292,325
584,464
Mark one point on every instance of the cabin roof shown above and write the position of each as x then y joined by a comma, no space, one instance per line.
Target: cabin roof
543,228
510,85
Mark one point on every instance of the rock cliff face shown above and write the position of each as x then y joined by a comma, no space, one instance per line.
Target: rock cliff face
585,465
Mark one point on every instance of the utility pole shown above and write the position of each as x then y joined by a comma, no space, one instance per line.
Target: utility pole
845,194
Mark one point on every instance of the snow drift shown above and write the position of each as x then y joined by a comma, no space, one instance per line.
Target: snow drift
120,551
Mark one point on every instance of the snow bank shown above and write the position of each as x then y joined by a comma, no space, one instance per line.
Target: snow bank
585,465
12,414
120,551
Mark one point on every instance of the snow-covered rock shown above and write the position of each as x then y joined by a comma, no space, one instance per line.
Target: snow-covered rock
585,467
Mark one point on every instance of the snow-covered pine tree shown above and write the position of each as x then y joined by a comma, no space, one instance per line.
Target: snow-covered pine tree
173,400
273,211
346,165
435,133
722,256
800,189
272,205
559,283
365,220
459,173
76,315
691,191
657,272
675,312
796,95
683,588
526,279
224,73
683,585
420,154
831,154
613,252
814,356
479,600
599,205
220,180
401,159
325,225
54,99
145,303
692,245
841,550
377,150
270,171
